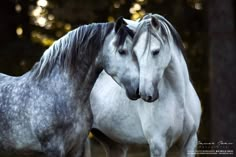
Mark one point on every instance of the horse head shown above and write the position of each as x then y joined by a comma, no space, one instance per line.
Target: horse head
119,61
153,52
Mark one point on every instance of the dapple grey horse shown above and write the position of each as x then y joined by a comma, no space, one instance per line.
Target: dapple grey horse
46,111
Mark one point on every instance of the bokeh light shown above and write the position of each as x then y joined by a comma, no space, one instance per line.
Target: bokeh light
42,3
19,31
136,10
18,8
116,5
41,21
37,11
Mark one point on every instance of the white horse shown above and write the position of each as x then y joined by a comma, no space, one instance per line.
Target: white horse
170,114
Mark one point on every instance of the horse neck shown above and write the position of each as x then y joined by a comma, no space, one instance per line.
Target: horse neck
77,82
176,74
84,81
75,57
76,86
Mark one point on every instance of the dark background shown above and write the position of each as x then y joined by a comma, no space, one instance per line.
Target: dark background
207,28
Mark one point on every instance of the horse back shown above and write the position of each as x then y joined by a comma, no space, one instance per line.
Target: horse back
3,76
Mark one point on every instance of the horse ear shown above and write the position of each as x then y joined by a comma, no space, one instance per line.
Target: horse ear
119,23
155,23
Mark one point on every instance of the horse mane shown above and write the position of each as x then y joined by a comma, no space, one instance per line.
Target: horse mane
166,29
177,39
80,44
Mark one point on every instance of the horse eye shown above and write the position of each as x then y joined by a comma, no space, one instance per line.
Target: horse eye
122,52
155,52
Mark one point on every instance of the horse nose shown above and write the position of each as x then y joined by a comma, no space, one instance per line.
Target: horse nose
133,91
137,93
149,98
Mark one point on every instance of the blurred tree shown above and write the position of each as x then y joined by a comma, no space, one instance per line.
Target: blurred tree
8,27
222,34
22,8
81,12
16,47
8,22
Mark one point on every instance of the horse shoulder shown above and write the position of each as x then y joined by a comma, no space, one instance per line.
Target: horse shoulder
193,105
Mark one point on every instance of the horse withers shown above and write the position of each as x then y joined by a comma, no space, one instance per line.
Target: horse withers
47,110
168,115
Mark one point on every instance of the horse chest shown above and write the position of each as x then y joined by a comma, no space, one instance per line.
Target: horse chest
162,117
67,128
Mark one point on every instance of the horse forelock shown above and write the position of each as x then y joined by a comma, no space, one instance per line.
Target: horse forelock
122,34
166,29
145,26
80,44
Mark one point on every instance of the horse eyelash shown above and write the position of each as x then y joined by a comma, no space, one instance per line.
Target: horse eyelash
155,52
122,52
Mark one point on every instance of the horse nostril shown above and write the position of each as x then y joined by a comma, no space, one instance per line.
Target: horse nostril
149,98
137,92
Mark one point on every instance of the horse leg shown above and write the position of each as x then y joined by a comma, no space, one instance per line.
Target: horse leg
54,153
189,148
87,149
158,147
53,147
188,139
80,148
112,148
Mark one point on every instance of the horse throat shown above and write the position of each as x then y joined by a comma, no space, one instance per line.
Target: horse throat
175,75
85,79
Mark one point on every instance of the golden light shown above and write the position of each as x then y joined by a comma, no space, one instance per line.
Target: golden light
137,6
140,0
116,5
132,10
198,6
67,27
37,11
136,10
47,41
48,25
42,3
59,34
110,19
18,8
142,13
135,16
41,38
35,35
41,21
51,17
19,31
90,135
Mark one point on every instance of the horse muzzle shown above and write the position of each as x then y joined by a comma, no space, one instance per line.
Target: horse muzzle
150,96
133,95
132,90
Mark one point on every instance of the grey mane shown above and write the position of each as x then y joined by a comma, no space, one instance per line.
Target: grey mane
177,39
166,29
80,44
